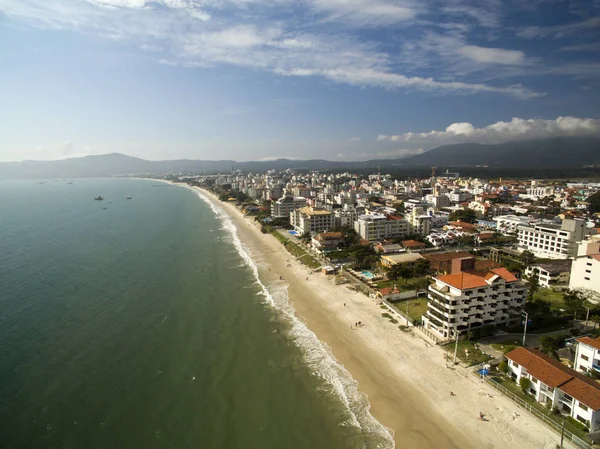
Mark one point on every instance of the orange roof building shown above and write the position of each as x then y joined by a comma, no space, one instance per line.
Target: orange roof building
553,383
470,299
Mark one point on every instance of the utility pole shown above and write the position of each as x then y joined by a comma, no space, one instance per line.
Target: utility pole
455,346
525,329
587,317
562,433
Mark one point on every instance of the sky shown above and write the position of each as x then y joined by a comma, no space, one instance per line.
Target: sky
264,79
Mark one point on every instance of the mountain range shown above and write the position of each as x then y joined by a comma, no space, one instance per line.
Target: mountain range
563,152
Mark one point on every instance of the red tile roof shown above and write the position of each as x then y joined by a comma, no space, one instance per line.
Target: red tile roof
463,280
413,244
540,366
593,342
555,374
475,279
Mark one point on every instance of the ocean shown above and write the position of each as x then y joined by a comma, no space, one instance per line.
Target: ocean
141,323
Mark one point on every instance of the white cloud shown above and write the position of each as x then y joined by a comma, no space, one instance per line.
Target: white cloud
516,129
395,153
560,31
258,39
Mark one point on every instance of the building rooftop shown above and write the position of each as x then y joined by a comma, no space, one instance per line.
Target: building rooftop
593,342
475,279
554,267
555,374
308,210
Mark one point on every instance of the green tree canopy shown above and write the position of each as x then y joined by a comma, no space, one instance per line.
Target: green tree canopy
465,215
575,302
594,201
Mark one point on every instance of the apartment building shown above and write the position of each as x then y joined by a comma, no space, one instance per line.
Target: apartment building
509,224
419,220
379,227
311,219
552,383
286,204
551,274
467,300
585,270
552,240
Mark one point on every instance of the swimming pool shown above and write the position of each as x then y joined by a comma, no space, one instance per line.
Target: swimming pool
368,274
293,233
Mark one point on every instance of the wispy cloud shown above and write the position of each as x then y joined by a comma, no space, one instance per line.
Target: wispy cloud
517,128
589,47
267,35
560,31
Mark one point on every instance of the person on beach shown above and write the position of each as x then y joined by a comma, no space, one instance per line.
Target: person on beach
481,416
452,393
344,304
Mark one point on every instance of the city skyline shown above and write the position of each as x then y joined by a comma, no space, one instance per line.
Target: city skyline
262,79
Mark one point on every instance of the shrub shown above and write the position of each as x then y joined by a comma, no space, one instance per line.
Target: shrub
393,320
503,367
577,424
403,328
574,332
386,315
525,383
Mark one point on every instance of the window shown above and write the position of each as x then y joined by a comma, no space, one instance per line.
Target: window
585,357
587,279
515,364
581,367
534,380
583,407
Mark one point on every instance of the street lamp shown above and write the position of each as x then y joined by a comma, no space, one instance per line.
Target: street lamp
525,328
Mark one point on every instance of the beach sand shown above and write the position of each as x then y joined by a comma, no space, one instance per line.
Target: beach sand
405,378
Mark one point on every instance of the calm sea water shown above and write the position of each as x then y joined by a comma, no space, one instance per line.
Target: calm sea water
144,325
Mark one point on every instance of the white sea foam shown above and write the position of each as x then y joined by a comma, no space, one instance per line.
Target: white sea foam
316,354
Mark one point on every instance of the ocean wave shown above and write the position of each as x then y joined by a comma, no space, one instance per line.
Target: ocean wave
317,355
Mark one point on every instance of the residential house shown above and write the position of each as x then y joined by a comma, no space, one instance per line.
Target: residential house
327,241
552,383
587,355
413,245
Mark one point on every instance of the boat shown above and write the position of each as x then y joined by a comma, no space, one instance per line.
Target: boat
98,198
128,197
105,208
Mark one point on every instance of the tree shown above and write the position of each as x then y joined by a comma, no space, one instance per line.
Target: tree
534,284
594,201
503,367
525,383
527,258
595,319
575,302
422,267
464,215
399,271
549,344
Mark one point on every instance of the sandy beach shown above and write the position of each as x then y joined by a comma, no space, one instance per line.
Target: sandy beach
405,378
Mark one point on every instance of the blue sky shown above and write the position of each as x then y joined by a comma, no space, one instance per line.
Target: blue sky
258,79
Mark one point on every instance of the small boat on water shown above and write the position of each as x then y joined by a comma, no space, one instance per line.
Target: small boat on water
98,198
105,208
128,197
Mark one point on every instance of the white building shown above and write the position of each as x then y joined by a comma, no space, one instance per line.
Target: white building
536,192
379,227
345,216
467,300
587,354
585,271
310,219
419,220
551,274
551,240
286,204
508,224
552,383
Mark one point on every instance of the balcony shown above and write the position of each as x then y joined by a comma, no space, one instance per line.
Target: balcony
596,365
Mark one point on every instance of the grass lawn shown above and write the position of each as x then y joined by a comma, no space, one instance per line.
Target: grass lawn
554,297
501,346
474,356
297,251
402,284
416,307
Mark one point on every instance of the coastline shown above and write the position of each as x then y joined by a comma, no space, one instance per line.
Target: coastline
404,378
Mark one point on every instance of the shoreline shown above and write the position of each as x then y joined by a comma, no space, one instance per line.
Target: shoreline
404,378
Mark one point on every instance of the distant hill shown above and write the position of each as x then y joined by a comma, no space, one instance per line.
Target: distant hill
547,153
558,153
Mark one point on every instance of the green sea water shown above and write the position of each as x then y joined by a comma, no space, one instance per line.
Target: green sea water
141,323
